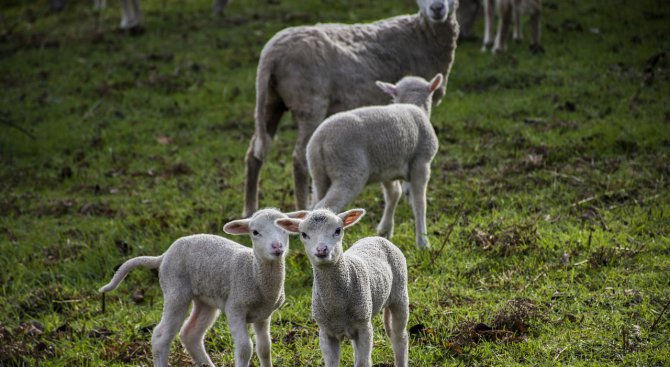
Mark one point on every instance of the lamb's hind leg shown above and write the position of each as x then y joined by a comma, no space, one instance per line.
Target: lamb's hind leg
418,181
341,193
398,316
392,194
193,332
489,17
174,311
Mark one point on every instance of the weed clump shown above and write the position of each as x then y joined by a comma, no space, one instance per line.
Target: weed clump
505,241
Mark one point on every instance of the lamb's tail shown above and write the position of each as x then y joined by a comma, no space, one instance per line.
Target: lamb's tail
151,262
269,110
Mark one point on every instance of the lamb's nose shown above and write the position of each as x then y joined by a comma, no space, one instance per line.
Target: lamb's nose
322,251
277,246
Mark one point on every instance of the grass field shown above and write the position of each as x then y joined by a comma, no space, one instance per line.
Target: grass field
549,204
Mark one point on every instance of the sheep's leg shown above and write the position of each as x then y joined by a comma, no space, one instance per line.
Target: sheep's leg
392,194
517,34
300,168
504,22
241,340
363,347
535,20
192,334
330,349
419,180
341,193
263,342
489,17
126,14
174,311
399,339
268,113
99,4
218,6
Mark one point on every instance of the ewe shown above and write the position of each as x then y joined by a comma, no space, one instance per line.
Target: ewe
351,287
378,144
215,274
510,11
316,71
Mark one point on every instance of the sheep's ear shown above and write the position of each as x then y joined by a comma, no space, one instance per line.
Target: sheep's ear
240,226
388,88
289,225
436,82
351,217
300,214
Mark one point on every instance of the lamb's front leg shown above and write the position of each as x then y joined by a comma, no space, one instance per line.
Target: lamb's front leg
419,180
263,342
363,347
241,340
330,349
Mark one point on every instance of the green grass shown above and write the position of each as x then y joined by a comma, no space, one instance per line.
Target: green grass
550,189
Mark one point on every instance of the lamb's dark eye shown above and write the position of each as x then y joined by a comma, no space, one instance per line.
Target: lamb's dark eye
338,231
304,235
255,233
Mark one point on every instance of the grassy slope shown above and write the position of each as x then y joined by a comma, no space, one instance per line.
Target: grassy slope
551,183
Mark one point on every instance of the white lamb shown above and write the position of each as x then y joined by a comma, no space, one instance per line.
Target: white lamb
215,274
131,14
378,144
351,287
510,11
316,71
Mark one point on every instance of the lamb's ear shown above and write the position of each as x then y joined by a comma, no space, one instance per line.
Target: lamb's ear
436,82
240,226
388,88
351,217
300,214
289,225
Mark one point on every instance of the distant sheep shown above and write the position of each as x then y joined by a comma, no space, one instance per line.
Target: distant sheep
351,287
131,14
373,144
316,71
215,274
510,12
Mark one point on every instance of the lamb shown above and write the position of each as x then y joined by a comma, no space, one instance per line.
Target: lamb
378,144
131,14
510,11
316,71
351,287
218,274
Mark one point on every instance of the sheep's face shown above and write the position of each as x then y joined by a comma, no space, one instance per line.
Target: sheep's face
270,243
321,232
437,11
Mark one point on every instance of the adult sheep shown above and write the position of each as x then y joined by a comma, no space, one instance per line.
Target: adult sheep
316,71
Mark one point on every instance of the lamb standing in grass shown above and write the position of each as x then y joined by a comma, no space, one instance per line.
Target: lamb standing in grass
351,287
378,144
509,13
218,274
316,71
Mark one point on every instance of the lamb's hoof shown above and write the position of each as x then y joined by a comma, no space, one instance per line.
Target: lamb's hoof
487,46
537,49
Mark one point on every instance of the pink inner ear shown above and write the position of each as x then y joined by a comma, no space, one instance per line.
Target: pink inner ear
350,218
238,228
288,225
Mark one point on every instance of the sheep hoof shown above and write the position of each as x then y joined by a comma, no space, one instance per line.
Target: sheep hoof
537,49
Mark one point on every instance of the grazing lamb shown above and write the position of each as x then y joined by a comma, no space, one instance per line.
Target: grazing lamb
316,71
218,274
378,144
131,14
510,11
351,287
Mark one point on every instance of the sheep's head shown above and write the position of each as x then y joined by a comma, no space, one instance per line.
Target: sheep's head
413,90
321,232
270,243
437,11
